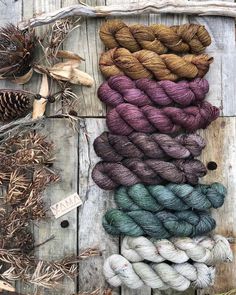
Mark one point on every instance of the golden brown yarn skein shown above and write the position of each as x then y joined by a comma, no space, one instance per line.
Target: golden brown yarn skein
158,38
148,64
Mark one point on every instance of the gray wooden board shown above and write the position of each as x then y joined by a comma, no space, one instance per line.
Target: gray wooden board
10,13
85,41
95,204
65,241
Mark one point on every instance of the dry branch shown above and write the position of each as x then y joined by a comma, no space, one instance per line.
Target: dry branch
218,8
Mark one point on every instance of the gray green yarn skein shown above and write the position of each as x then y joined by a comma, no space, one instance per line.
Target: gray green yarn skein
176,197
159,225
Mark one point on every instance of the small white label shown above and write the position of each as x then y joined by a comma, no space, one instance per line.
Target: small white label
66,205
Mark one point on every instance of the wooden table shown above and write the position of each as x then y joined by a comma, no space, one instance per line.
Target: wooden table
75,156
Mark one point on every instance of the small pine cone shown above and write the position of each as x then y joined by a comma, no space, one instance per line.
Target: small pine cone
13,104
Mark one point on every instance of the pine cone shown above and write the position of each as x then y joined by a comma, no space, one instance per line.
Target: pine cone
13,104
16,51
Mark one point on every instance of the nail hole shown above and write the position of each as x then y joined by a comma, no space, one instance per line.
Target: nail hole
212,165
65,224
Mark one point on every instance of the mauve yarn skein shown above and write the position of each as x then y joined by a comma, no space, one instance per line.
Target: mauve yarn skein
148,64
115,148
126,118
161,225
157,37
176,197
109,175
120,89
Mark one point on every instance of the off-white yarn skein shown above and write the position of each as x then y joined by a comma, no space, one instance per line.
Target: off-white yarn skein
119,271
208,250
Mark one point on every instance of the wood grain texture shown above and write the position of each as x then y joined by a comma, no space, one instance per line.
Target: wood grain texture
65,241
85,41
220,136
10,12
142,19
222,71
31,7
221,149
218,8
190,291
95,204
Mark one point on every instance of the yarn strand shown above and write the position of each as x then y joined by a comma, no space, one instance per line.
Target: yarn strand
109,175
119,271
160,225
120,89
176,197
115,148
148,64
126,118
158,38
204,249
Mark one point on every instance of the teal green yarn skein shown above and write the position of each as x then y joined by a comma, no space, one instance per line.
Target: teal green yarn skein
159,225
176,197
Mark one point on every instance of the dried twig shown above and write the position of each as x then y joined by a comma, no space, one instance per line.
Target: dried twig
39,272
58,33
231,292
218,8
98,291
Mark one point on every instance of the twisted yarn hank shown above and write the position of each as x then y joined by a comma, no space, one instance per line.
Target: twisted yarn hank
119,271
126,118
208,250
176,197
158,38
109,175
160,225
115,148
120,89
148,64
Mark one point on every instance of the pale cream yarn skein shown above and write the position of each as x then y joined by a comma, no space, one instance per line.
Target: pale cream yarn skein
118,270
208,250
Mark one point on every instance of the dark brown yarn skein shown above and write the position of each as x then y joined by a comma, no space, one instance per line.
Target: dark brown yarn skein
158,38
115,148
109,175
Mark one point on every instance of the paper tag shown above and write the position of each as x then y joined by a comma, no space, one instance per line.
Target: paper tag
66,205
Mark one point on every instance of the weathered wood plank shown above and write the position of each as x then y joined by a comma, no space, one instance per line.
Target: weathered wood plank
85,41
218,8
171,292
65,241
221,149
95,204
170,20
222,71
143,20
31,7
10,13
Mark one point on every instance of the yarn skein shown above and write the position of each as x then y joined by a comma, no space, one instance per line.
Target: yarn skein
121,89
119,271
176,197
204,249
158,38
126,118
148,64
109,175
160,225
115,148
